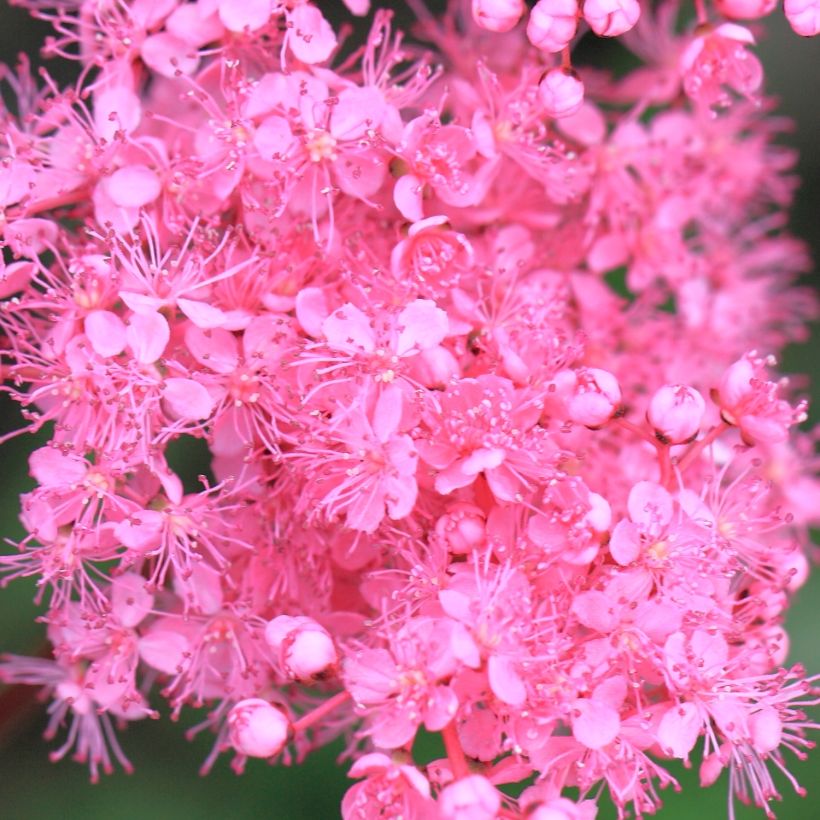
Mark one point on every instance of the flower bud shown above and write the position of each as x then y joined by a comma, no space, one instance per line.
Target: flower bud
553,24
595,398
461,528
561,92
676,412
497,15
803,16
257,728
609,18
745,9
304,649
470,798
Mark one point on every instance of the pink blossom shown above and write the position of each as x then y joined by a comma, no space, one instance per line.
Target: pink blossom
747,399
717,60
437,320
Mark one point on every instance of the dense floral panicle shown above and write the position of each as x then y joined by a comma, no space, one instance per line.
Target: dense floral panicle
465,330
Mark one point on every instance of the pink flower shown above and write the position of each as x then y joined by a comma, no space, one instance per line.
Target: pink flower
749,401
717,60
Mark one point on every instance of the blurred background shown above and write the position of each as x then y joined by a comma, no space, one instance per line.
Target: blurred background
165,783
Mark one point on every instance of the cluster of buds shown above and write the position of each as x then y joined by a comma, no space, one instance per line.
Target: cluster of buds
467,470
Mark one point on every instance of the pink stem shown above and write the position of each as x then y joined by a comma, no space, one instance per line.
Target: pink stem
697,448
455,754
306,721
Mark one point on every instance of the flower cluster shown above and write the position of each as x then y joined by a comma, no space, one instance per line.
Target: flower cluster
471,335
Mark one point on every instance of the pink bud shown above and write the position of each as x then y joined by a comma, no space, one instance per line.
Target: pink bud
470,798
609,18
803,16
676,412
596,397
497,15
257,728
304,648
461,528
561,92
745,9
553,24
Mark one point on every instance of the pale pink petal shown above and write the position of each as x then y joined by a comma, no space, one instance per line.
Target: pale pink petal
505,681
187,399
453,478
767,729
53,468
347,328
356,111
29,237
595,610
311,310
679,729
421,325
106,332
310,37
407,195
168,55
201,313
142,529
387,413
117,108
215,348
133,186
650,505
147,335
625,544
187,23
273,138
15,277
503,482
141,302
359,175
594,723
483,459
130,602
442,706
239,15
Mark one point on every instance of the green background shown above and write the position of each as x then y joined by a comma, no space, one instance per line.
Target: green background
166,783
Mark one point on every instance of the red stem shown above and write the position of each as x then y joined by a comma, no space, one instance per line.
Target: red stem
455,754
321,711
697,448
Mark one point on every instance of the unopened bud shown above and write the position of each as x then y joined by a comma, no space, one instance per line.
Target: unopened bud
470,798
676,412
257,728
497,15
596,397
303,648
553,24
461,528
561,92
